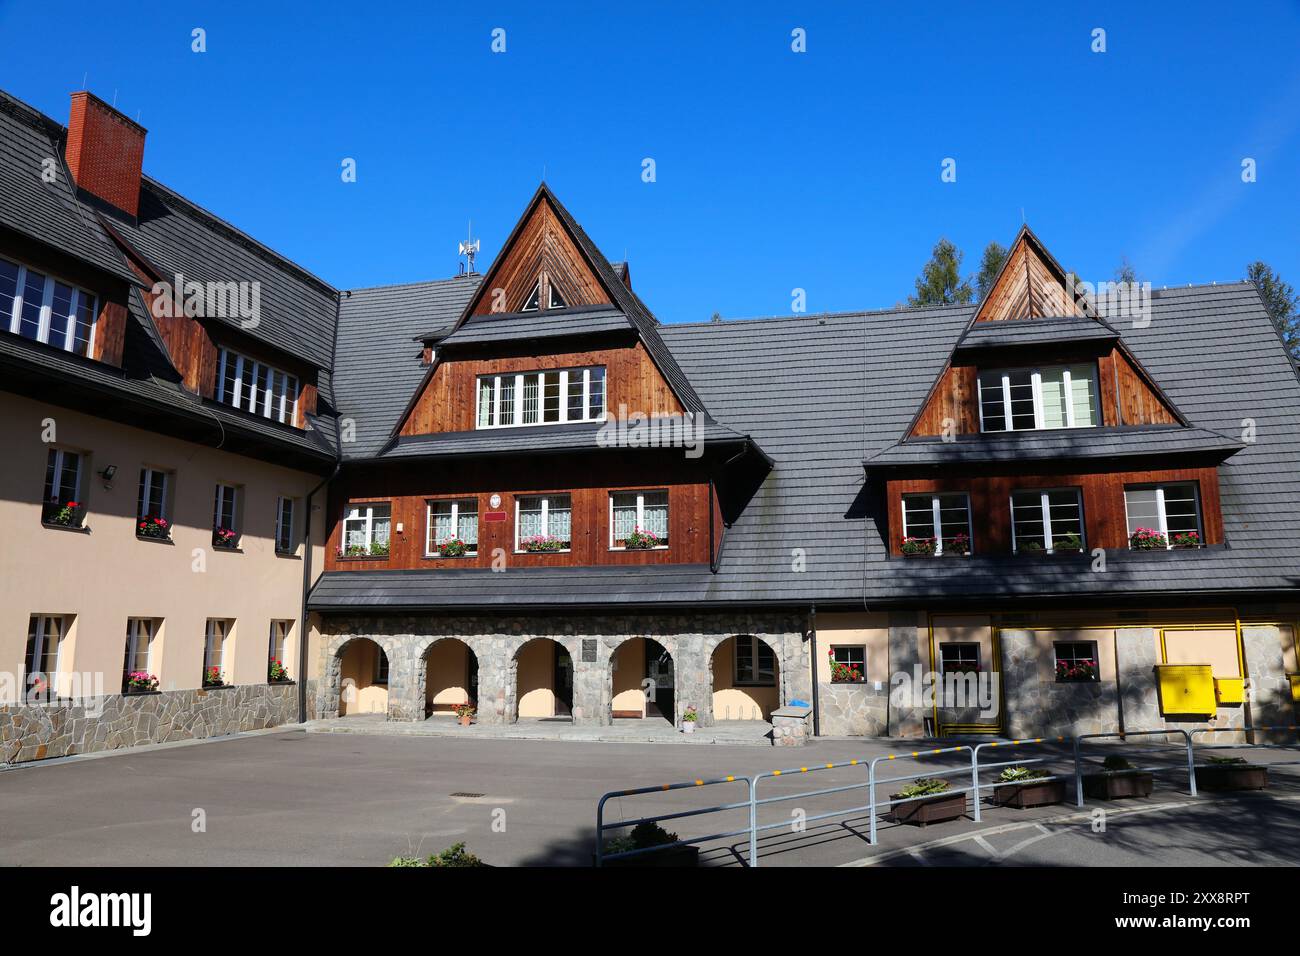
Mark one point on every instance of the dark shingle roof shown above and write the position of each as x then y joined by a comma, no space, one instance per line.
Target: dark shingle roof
1024,332
545,324
377,360
1073,444
47,212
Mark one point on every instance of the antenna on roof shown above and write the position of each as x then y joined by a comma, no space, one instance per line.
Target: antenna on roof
469,249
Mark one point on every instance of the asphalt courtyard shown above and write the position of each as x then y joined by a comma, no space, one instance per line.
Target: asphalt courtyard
291,798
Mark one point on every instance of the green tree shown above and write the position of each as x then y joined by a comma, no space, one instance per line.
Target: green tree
940,282
1126,272
994,255
1281,302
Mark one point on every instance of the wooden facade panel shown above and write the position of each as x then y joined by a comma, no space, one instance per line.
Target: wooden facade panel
955,398
1105,523
447,402
588,485
542,249
1028,287
1137,402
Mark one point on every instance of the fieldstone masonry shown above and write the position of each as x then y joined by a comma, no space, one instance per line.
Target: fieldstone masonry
791,726
1038,708
1268,695
690,639
33,732
905,720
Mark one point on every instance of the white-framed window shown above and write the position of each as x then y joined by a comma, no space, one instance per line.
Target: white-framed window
534,300
44,640
381,666
139,647
1048,521
643,512
962,657
1055,396
62,488
214,651
40,307
943,520
284,509
555,397
279,644
543,523
366,529
225,514
1076,662
754,663
450,521
152,498
557,300
256,388
1172,511
849,663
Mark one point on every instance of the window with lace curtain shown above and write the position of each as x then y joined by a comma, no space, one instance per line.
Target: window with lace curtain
450,522
638,520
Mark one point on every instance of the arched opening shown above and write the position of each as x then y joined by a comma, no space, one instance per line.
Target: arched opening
746,679
644,684
363,678
450,677
543,681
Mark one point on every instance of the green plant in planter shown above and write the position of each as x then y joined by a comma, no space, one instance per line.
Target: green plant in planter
453,548
1228,761
1148,539
454,855
690,714
276,671
918,545
151,526
542,543
957,544
1031,547
641,540
66,515
925,787
642,837
1021,774
1068,542
1116,764
212,677
1185,539
379,549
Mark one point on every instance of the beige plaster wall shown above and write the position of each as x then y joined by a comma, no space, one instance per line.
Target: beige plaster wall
739,703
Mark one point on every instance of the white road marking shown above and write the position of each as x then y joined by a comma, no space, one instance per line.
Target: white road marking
916,855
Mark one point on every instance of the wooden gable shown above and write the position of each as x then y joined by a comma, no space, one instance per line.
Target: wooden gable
1030,285
540,250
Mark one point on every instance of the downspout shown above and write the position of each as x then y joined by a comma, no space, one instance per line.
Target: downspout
812,637
303,625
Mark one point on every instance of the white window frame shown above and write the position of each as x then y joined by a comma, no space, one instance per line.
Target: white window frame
38,648
430,546
285,414
1043,494
224,625
546,519
280,529
152,475
494,414
217,505
369,508
755,680
934,517
287,626
1160,508
958,647
14,322
135,628
60,457
1036,383
640,516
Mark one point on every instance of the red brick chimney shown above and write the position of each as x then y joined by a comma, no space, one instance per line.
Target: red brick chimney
105,152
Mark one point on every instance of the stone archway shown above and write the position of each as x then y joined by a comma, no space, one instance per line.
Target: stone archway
634,661
746,678
542,681
447,675
358,678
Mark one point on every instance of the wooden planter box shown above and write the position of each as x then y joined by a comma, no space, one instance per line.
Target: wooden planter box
921,811
1240,777
1032,794
1113,785
677,856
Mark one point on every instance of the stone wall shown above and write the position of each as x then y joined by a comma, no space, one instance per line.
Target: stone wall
591,642
34,732
853,710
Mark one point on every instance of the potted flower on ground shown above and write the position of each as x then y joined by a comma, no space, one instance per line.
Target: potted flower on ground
139,682
223,537
1184,539
926,800
1023,787
1147,539
541,543
277,673
452,548
212,677
1119,778
644,836
152,526
641,540
689,716
913,547
842,673
1231,773
66,515
465,712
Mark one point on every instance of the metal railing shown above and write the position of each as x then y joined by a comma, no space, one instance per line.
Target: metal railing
875,807
1293,728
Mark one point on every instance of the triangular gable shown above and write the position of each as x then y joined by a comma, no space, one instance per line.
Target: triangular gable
1030,285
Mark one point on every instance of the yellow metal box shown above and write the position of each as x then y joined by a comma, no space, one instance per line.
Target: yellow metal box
1185,688
1230,690
1295,685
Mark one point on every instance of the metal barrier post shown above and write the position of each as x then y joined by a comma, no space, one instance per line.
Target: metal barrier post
871,785
975,780
1078,775
1191,763
753,821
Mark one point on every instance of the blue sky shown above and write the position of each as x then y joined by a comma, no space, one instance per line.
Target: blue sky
775,170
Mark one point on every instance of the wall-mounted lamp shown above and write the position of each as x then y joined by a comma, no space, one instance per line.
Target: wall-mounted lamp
107,475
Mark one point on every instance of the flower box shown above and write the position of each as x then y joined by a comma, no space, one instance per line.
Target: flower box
224,538
138,682
1148,539
151,526
357,552
922,811
1232,776
676,856
542,544
641,540
67,515
277,673
452,548
1116,784
918,547
1034,793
